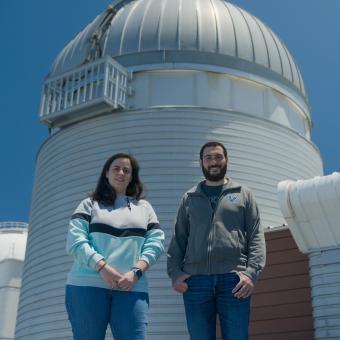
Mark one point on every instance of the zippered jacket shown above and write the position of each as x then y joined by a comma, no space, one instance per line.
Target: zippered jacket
229,239
121,235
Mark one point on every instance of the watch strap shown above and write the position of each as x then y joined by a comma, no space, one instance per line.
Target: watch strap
138,272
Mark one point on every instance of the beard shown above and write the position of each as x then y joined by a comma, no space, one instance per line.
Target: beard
215,177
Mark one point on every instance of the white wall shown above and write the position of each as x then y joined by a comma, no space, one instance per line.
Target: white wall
206,89
166,141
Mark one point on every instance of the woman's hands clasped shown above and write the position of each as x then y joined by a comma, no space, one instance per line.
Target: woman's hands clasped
127,281
117,280
114,279
110,276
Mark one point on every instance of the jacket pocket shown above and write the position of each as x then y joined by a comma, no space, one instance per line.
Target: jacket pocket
196,250
226,246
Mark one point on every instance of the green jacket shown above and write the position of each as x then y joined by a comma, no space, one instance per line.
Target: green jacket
226,240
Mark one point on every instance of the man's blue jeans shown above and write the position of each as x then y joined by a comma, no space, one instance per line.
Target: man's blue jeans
209,295
91,309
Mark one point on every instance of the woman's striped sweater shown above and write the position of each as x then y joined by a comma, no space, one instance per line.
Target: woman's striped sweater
121,235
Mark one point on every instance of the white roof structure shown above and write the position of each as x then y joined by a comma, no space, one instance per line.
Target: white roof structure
312,210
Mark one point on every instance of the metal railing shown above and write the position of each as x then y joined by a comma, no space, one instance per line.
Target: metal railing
13,225
102,79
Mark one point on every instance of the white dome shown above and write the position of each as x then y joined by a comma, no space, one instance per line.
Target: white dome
212,32
13,237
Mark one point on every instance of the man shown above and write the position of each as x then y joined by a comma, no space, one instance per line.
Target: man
217,251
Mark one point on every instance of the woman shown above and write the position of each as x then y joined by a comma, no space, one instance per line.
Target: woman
114,237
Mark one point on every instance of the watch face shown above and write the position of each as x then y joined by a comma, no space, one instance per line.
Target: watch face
138,272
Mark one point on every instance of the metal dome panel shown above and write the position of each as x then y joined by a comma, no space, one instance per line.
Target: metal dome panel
201,26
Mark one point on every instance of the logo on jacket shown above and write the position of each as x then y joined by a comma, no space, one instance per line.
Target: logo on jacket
231,198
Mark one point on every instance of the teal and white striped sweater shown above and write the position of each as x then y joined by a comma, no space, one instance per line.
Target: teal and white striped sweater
121,235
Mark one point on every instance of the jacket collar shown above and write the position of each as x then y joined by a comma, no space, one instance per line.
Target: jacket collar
197,190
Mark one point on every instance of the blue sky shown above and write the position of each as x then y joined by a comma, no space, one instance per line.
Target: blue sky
33,32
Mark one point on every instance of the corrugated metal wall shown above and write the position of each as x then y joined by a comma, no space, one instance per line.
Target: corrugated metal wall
325,278
166,142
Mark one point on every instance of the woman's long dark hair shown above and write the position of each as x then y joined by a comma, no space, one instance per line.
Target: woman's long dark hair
106,194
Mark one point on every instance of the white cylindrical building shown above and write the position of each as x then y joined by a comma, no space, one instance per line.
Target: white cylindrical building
13,236
158,79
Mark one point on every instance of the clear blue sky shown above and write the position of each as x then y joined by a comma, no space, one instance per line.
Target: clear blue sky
34,31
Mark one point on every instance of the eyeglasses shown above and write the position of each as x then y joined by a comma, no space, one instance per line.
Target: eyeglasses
217,157
118,169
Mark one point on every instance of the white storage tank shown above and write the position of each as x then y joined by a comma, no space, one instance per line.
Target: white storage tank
13,236
158,78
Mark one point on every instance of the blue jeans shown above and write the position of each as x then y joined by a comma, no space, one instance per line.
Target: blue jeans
91,309
210,295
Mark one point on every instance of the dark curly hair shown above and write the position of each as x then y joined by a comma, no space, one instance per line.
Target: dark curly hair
106,194
213,144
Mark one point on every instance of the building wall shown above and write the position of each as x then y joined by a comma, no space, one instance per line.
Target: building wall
166,142
281,305
220,89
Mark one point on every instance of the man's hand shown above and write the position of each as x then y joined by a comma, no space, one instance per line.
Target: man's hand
244,288
180,286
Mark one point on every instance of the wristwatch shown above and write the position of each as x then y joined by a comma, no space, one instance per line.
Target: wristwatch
138,272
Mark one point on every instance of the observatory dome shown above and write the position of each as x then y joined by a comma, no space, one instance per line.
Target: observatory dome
13,237
12,241
158,79
205,32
